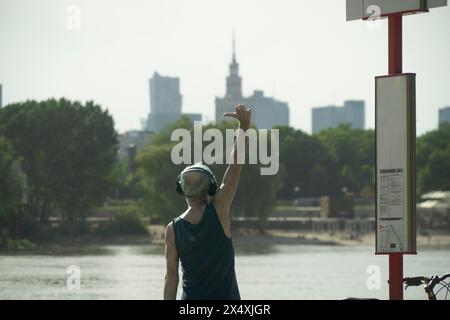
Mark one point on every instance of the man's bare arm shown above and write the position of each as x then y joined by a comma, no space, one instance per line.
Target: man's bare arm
227,190
172,278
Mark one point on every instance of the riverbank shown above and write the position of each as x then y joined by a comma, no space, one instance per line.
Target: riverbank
242,238
249,237
74,245
435,239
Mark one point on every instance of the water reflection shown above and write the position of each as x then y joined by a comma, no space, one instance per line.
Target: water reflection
245,250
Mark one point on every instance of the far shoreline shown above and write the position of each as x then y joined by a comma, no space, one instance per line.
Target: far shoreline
243,239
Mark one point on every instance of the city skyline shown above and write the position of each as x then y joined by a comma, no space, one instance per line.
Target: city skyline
118,47
267,112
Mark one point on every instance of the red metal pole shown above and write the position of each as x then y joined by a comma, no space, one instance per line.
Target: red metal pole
396,276
395,43
395,66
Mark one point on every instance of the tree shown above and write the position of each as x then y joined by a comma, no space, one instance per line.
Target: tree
68,151
433,160
6,160
352,158
305,161
12,192
157,174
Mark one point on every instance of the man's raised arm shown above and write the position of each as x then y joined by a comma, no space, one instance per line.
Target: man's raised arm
227,190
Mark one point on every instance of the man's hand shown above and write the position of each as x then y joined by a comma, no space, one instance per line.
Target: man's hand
242,114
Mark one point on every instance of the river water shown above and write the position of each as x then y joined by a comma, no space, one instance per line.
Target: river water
276,272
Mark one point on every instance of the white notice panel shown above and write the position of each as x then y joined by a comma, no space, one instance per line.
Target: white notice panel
395,164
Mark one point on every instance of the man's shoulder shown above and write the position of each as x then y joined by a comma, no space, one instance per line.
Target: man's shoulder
170,232
173,222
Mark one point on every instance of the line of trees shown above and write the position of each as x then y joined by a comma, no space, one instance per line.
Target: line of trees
333,162
336,160
59,158
342,159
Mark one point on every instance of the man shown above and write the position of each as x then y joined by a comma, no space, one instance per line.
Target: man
200,237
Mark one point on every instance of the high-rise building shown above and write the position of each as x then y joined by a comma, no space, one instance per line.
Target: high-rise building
444,115
353,113
266,111
165,103
165,94
1,101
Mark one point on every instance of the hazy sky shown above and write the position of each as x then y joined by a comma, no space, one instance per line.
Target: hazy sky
304,54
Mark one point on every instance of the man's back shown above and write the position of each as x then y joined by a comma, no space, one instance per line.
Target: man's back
207,258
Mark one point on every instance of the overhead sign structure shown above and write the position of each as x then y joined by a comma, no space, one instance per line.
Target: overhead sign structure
363,9
395,163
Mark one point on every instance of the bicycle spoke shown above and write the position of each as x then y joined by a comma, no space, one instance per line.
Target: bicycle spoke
444,285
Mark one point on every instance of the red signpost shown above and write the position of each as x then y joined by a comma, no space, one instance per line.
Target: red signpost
395,67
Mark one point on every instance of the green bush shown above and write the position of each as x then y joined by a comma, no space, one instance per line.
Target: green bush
19,245
125,222
129,221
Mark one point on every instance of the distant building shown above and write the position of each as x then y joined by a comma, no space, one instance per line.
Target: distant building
165,94
1,100
165,103
158,121
353,113
131,152
134,139
336,207
444,115
194,116
266,111
433,210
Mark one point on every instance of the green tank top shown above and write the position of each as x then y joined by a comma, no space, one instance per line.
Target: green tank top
207,258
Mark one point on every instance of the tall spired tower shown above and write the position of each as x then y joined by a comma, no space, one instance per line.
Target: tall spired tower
234,81
266,111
